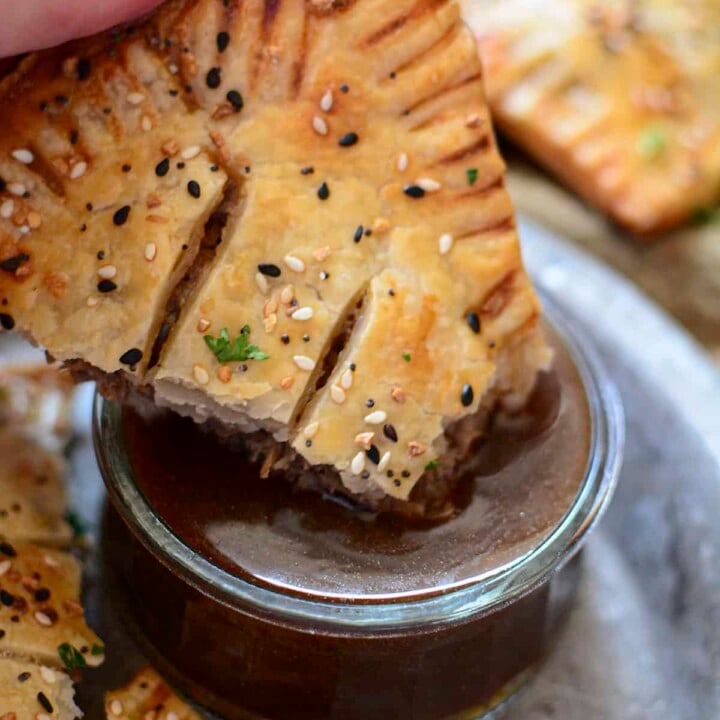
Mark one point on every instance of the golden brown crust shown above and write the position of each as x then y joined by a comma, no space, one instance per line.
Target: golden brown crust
359,139
145,693
618,99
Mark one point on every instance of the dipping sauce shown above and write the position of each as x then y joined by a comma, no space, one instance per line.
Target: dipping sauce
248,662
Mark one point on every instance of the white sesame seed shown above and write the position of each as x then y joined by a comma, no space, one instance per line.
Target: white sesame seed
402,162
337,394
146,123
326,101
48,675
24,229
172,716
23,155
201,375
358,463
319,125
428,184
135,98
294,263
4,567
150,251
203,325
445,243
42,716
377,417
116,707
190,152
261,282
364,439
384,462
43,619
346,379
304,362
78,170
287,294
6,209
16,188
92,302
107,272
173,68
303,313
322,253
311,429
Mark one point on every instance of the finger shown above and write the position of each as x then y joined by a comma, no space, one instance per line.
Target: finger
34,24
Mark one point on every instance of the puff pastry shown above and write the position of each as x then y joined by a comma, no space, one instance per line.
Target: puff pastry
146,692
30,692
40,607
323,176
618,98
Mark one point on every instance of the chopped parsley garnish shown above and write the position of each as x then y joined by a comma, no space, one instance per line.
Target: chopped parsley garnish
651,143
71,657
97,650
236,351
406,356
431,465
705,215
472,175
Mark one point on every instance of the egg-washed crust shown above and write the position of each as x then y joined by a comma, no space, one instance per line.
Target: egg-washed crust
370,190
30,692
40,606
619,99
33,503
147,692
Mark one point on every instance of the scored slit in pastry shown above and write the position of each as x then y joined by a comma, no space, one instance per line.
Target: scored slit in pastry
618,98
286,217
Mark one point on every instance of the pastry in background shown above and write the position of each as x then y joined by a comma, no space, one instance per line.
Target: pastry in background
619,99
147,693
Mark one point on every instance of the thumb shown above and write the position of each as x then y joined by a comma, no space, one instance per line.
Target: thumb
35,24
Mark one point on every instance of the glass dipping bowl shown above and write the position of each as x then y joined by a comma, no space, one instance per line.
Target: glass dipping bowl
455,643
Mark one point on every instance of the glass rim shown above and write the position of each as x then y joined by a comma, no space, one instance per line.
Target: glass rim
481,594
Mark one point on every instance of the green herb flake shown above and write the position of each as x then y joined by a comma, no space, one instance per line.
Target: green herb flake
651,143
432,465
237,350
472,175
71,657
77,525
705,215
97,650
406,356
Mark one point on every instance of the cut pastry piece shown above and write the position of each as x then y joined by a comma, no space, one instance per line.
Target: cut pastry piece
618,98
32,497
147,693
41,618
364,277
32,692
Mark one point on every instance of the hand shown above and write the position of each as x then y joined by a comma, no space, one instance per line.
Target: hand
33,24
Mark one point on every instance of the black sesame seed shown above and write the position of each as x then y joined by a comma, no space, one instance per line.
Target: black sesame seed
131,357
46,704
348,139
213,78
126,168
396,482
353,367
405,473
43,106
491,344
308,443
467,395
368,232
365,475
74,137
13,263
180,165
222,41
161,169
89,206
391,292
106,286
308,170
83,227
193,188
306,338
2,634
344,88
3,185
7,321
107,110
473,320
188,88
83,69
393,75
414,191
323,191
236,100
370,403
373,454
120,217
358,233
42,595
24,676
184,246
285,339
324,275
173,92
269,269
390,473
390,432
214,168
6,598
61,99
